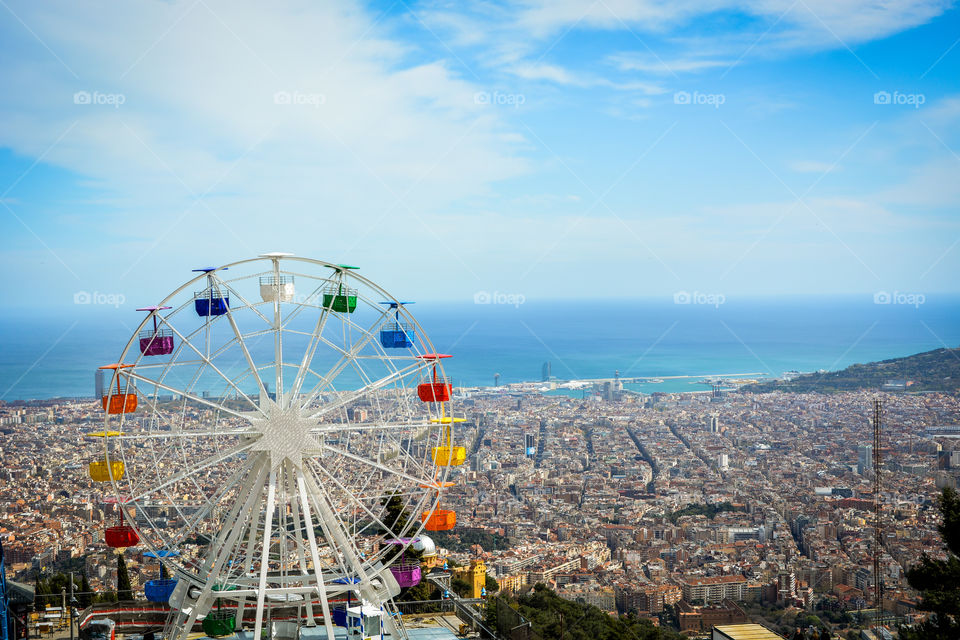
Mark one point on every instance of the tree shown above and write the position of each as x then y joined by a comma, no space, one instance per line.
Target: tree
85,597
938,581
491,585
124,591
39,590
395,515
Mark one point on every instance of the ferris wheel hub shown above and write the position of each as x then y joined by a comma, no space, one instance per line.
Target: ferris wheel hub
285,433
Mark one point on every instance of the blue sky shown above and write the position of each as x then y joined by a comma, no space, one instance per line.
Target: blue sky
556,150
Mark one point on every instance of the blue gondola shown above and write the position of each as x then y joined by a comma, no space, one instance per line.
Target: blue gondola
396,335
159,590
210,301
339,617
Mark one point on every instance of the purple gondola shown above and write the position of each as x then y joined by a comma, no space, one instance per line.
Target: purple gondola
156,341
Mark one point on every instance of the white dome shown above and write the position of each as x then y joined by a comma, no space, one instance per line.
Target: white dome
426,545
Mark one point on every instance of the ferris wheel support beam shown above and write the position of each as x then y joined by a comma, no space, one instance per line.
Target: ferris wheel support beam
208,508
315,555
265,555
234,525
330,522
298,524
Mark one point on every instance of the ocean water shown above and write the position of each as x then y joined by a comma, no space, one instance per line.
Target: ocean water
54,353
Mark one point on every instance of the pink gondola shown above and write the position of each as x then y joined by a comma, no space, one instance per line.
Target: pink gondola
156,341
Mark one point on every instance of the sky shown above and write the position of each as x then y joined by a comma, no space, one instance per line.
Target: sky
550,150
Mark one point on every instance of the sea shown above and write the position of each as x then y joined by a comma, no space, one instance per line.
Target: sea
54,353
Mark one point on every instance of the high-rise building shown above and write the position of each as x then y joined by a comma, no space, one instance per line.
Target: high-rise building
545,371
864,459
723,462
786,586
99,383
714,424
529,445
949,459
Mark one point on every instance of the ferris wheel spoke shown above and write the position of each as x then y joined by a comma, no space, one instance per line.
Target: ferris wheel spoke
350,494
187,473
333,526
344,360
376,465
334,427
211,504
185,394
277,335
238,336
344,400
210,363
166,435
309,353
300,306
245,304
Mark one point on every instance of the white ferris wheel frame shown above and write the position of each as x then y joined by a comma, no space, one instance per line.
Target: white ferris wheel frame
277,463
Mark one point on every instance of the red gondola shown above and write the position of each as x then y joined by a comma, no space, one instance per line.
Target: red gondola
435,388
121,536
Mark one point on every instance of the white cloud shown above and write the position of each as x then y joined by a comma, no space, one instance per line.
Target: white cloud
813,166
201,89
563,76
671,36
652,64
850,21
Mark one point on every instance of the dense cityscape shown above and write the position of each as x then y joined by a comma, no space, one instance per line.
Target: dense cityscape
720,507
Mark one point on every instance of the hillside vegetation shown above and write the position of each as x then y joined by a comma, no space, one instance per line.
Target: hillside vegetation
937,370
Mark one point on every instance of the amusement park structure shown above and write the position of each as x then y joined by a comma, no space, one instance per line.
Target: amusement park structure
278,434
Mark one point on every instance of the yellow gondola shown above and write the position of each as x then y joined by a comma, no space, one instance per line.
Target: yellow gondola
448,455
106,470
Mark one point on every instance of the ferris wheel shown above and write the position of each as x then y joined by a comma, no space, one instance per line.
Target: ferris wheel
277,432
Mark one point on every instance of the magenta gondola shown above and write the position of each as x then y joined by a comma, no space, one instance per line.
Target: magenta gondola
157,341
